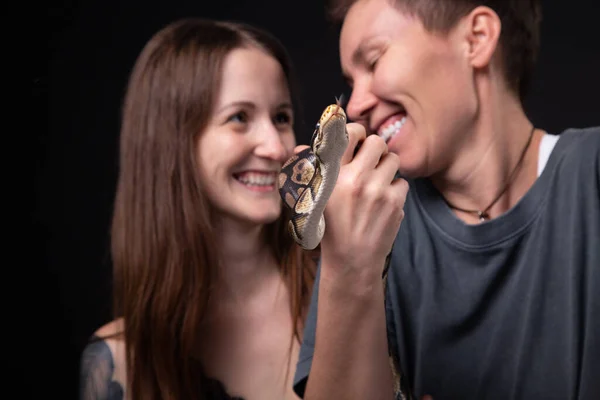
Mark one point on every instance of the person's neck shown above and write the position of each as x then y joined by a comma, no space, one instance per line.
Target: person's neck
487,162
247,261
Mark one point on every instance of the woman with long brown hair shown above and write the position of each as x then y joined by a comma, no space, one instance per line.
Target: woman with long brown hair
210,292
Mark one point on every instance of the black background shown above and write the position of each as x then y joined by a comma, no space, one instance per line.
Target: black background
82,56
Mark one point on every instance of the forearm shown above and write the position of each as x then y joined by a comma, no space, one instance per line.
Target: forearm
350,360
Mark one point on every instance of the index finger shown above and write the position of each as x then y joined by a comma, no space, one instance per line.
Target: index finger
299,148
356,134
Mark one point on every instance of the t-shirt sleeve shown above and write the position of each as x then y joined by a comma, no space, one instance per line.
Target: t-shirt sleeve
308,343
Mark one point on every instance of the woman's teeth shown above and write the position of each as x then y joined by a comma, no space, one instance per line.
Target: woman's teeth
389,131
257,179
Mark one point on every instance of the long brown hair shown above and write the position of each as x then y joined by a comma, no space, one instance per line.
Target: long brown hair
163,250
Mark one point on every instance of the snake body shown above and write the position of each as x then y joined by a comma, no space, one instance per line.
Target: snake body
305,183
307,179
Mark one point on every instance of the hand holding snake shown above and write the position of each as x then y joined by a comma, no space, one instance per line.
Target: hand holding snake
307,182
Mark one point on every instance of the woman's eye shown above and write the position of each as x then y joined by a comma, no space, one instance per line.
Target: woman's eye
240,117
283,118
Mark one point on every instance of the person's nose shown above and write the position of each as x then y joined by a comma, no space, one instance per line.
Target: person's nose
271,143
361,103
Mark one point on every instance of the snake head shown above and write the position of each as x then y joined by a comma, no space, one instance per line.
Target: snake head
330,132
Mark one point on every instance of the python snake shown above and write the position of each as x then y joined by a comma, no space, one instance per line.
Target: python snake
307,179
306,182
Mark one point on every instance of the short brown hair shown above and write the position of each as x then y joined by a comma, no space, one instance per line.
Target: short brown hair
519,38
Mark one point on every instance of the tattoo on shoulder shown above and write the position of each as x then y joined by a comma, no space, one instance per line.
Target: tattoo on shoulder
96,373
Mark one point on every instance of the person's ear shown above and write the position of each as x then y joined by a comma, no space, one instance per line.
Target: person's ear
481,29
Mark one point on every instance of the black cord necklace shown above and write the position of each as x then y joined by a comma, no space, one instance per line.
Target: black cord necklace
483,214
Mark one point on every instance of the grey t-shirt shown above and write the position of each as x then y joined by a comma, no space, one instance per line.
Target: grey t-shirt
507,309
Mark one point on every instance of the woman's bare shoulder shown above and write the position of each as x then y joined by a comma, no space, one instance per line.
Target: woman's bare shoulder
102,368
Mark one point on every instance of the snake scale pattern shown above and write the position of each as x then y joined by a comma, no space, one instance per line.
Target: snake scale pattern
306,182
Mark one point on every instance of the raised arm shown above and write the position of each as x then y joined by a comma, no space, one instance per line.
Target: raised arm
363,215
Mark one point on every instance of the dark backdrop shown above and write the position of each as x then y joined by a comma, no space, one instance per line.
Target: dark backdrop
83,54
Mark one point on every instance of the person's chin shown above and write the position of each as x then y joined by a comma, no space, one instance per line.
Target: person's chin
411,170
266,219
266,215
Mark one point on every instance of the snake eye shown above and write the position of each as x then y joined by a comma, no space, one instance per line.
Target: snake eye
316,132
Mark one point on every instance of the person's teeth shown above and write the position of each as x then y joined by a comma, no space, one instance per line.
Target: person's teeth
389,131
257,179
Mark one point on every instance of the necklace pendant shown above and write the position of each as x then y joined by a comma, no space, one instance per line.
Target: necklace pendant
483,216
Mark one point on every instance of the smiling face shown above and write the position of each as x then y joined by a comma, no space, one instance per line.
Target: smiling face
248,138
412,87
